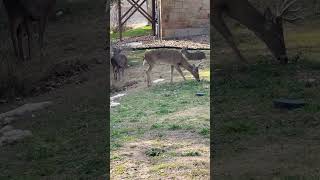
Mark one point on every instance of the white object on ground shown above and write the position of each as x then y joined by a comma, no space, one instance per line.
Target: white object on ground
158,80
114,104
117,96
113,98
133,44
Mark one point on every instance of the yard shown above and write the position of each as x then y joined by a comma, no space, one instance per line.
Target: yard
253,139
67,137
162,131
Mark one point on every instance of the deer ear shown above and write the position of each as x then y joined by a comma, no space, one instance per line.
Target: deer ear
268,14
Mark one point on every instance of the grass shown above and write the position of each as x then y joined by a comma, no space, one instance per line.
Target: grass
141,31
145,107
245,118
67,141
161,111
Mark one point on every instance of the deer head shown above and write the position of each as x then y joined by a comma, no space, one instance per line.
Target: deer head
274,37
116,51
195,71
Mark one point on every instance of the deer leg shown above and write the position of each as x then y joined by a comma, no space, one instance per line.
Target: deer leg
42,25
148,75
116,73
28,29
180,71
172,67
14,25
20,46
119,74
123,74
220,26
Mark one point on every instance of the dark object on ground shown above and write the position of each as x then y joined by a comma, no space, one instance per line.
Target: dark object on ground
200,94
284,103
154,152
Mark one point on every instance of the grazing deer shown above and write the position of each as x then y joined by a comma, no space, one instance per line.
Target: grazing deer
173,57
21,14
198,55
119,62
268,27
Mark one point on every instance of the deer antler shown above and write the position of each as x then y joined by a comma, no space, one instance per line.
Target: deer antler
286,12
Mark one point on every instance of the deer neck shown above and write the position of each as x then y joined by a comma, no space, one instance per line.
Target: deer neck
187,66
253,20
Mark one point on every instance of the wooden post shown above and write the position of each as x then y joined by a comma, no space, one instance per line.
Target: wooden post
160,19
154,17
119,20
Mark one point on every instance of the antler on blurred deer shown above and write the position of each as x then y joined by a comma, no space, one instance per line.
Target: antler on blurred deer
268,26
286,10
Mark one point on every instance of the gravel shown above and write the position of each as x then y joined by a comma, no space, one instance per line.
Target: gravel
146,42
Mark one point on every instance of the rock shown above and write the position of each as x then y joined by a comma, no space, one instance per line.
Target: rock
13,136
158,80
288,103
6,121
59,13
200,94
5,129
310,82
3,101
98,61
27,108
114,104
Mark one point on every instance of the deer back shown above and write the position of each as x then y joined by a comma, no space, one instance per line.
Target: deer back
164,56
119,60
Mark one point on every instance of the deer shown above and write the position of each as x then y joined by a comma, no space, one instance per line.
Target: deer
268,26
21,15
198,55
119,62
171,57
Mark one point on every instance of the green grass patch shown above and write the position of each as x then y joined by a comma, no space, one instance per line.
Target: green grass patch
149,106
154,152
191,153
141,31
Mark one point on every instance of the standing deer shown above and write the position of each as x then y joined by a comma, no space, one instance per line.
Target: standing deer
21,14
173,57
268,27
119,62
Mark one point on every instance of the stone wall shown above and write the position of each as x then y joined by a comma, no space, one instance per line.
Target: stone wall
181,18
